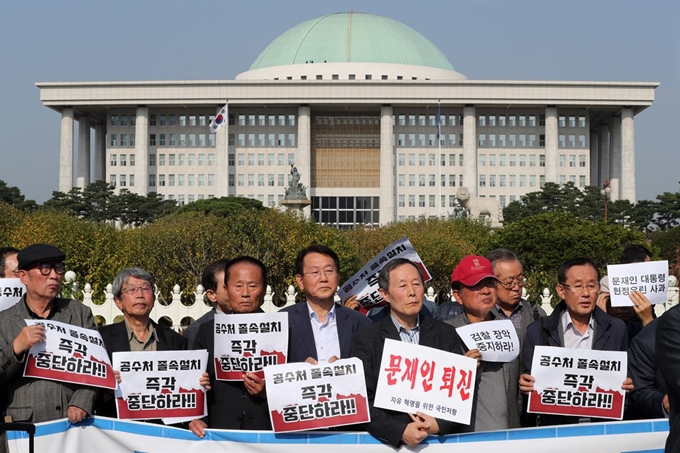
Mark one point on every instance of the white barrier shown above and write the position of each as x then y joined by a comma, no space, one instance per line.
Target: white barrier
176,311
117,436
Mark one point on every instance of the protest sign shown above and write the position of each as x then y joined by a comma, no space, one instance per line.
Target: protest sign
303,396
11,290
69,354
161,384
418,378
496,340
364,284
246,343
578,382
649,278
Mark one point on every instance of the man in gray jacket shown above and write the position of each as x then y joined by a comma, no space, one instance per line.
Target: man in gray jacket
41,270
497,400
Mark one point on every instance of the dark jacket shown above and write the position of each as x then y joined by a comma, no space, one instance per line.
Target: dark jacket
116,340
230,406
301,343
192,330
610,335
388,425
668,353
647,397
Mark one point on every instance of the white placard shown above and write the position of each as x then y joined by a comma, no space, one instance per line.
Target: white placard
303,396
416,378
70,354
161,384
247,342
496,340
365,282
578,382
649,278
11,290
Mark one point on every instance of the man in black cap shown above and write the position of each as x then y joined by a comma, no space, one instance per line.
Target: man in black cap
41,270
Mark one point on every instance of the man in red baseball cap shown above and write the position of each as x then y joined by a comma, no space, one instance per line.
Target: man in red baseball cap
474,286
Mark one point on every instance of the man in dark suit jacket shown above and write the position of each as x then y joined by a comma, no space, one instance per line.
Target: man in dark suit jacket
320,329
213,284
577,323
133,294
649,398
401,285
235,404
668,353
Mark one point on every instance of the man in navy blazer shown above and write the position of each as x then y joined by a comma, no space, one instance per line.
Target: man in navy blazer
401,285
668,352
133,293
320,329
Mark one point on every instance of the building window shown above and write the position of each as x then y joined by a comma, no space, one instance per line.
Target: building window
482,180
581,141
411,180
152,139
123,160
501,160
572,121
572,141
532,180
240,180
562,121
562,141
532,160
112,180
402,201
563,160
501,180
513,163
482,120
513,180
541,160
492,160
181,160
582,181
121,178
452,180
482,139
541,140
482,160
180,180
492,180
112,160
582,160
522,160
421,160
572,160
421,201
132,180
522,141
112,140
433,181
173,140
421,180
522,180
581,121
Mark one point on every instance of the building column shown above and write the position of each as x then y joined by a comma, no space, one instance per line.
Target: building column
141,151
603,154
222,169
83,175
100,152
594,160
66,151
387,168
303,158
551,145
615,168
470,149
628,156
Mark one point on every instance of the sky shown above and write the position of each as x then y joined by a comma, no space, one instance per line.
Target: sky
103,40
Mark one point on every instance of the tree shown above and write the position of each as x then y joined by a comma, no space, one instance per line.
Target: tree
13,197
544,241
221,207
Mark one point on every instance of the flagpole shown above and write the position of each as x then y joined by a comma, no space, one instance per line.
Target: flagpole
439,157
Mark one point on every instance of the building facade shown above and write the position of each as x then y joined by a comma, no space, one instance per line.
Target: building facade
375,118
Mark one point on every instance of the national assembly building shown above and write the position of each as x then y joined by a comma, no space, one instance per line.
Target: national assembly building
379,124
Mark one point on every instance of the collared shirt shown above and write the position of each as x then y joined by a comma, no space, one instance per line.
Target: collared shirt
325,334
408,336
515,316
573,339
136,345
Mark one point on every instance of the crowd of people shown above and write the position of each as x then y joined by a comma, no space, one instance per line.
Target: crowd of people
320,330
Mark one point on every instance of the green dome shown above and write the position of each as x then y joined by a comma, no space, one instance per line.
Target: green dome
351,37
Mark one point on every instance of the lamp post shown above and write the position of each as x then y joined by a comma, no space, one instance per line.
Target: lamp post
606,191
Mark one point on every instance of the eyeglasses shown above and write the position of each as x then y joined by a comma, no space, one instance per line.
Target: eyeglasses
519,281
591,287
132,290
317,274
46,268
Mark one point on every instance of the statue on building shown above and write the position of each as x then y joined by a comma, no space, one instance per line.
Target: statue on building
481,206
295,190
295,197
